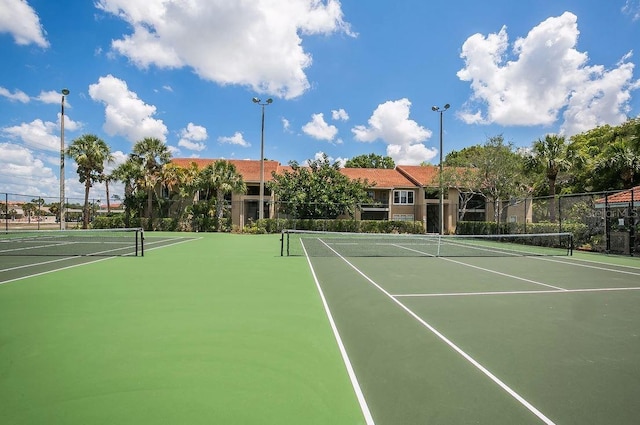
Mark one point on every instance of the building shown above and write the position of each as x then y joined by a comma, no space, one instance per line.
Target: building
406,193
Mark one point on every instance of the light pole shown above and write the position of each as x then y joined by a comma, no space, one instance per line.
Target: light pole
65,92
261,204
441,189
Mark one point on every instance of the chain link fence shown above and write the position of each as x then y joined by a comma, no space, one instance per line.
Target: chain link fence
600,221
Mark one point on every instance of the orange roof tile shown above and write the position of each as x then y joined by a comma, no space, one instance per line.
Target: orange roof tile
624,196
248,168
383,178
422,175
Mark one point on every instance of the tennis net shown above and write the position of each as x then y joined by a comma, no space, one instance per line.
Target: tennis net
322,244
94,242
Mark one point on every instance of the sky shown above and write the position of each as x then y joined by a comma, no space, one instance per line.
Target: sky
347,78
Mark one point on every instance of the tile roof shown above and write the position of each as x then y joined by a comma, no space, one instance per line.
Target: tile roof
422,175
622,197
383,178
402,176
248,168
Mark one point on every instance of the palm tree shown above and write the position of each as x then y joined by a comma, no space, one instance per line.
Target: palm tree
152,154
106,179
90,153
222,178
130,173
625,160
552,156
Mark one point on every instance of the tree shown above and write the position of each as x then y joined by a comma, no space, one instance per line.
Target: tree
221,178
130,173
183,181
106,179
54,208
151,153
496,172
90,153
318,191
29,208
371,161
549,157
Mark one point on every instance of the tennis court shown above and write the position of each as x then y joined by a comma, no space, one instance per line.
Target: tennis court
487,340
219,328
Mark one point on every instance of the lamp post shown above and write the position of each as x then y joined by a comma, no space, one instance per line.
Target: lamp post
65,92
261,204
441,189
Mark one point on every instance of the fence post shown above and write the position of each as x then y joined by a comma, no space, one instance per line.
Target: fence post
632,228
559,214
607,223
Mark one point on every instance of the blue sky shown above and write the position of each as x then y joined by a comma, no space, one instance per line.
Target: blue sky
347,77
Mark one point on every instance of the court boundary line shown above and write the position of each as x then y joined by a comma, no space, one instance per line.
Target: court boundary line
364,407
485,269
97,260
566,291
591,266
451,344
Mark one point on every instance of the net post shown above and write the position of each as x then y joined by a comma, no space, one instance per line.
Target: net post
141,242
282,243
288,236
570,244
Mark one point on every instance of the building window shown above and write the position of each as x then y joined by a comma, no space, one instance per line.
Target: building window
403,197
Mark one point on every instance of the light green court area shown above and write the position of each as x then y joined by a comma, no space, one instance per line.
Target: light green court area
216,330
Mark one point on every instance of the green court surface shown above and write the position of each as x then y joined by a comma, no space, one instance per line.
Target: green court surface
218,328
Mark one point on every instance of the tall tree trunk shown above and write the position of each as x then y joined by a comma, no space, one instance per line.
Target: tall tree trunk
552,201
106,185
85,215
219,208
150,207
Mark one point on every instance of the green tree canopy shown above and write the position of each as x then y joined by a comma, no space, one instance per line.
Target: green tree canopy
221,178
90,154
497,172
152,154
371,161
548,157
318,190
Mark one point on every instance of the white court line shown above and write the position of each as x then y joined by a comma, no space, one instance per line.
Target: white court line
487,270
447,341
81,264
589,266
36,264
345,357
566,291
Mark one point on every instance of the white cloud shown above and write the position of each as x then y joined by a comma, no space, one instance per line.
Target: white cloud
21,21
632,8
236,139
23,173
253,43
53,97
319,129
543,76
390,123
125,114
286,125
319,155
18,95
191,137
339,115
37,134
